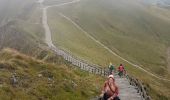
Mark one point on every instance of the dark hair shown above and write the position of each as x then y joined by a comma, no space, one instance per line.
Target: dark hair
121,64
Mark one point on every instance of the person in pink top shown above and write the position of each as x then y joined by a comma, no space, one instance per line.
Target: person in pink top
110,89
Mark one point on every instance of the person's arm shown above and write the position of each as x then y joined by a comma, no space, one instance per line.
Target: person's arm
114,89
103,89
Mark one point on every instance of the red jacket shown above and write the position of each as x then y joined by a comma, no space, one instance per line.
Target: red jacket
120,68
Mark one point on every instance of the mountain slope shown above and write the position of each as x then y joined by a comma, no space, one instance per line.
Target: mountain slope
20,25
125,27
136,32
36,79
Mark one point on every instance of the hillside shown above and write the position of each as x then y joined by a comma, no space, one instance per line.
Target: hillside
11,36
98,31
20,26
94,29
18,10
132,33
37,79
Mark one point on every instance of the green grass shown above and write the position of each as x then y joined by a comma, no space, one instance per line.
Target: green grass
134,32
134,36
68,37
68,83
138,32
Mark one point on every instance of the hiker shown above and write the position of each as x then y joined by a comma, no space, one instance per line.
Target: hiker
111,69
121,70
110,90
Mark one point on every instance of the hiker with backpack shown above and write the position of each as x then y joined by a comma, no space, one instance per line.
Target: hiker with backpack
110,89
121,70
111,69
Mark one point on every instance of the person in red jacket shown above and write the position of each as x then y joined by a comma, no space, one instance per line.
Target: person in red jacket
121,70
110,89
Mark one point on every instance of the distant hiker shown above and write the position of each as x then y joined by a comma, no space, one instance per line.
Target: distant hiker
111,69
121,70
110,90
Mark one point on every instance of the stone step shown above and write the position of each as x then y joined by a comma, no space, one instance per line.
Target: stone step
130,98
127,91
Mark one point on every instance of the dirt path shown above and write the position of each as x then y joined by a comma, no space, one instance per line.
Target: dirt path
40,1
48,36
62,4
47,28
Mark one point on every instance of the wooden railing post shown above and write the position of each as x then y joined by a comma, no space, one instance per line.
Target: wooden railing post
140,87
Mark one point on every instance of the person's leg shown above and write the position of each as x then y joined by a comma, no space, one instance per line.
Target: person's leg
105,96
116,98
121,73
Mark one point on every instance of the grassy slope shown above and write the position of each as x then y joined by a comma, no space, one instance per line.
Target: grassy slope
66,81
20,25
136,31
72,39
13,9
13,37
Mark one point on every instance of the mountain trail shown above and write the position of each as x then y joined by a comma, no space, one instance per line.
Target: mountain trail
108,49
50,43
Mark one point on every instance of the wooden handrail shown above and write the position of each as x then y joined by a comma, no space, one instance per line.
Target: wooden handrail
139,86
84,65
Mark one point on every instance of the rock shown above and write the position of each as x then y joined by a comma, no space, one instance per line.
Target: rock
39,75
1,85
14,80
74,84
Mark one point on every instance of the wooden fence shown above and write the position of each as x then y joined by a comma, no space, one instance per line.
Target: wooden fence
139,86
82,64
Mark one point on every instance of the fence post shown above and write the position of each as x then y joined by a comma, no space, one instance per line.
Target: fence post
92,70
104,72
86,66
89,69
66,58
